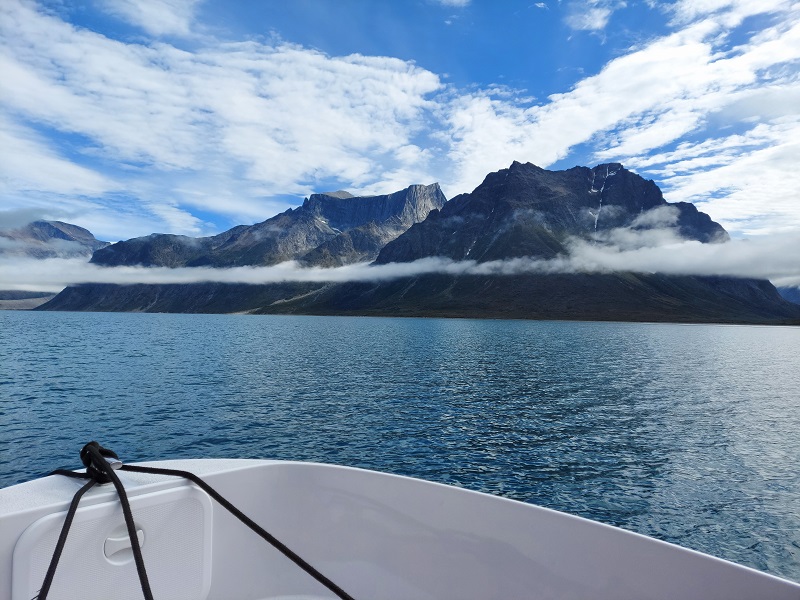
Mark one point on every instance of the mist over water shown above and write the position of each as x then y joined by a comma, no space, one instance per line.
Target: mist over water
684,432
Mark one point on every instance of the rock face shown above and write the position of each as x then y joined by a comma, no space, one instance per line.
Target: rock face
327,230
522,211
527,211
49,239
587,297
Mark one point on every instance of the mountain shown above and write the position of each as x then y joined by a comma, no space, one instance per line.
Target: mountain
516,213
41,240
327,230
585,297
527,211
49,239
791,294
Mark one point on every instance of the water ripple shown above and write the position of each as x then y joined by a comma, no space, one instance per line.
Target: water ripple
685,433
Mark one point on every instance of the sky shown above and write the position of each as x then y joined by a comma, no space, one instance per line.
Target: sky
129,117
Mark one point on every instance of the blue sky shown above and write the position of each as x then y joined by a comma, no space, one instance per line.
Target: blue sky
186,116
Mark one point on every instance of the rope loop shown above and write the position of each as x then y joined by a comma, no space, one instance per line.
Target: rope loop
93,455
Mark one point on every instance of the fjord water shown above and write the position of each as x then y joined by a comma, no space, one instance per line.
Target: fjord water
688,433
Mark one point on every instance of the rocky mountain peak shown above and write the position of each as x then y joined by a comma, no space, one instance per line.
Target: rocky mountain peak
338,194
403,208
525,210
327,229
49,239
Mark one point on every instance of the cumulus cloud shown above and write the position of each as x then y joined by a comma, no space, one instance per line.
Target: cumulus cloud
237,113
224,128
157,17
656,250
591,15
29,163
676,87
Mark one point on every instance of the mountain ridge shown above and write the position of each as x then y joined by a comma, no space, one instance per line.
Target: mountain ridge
523,211
528,211
326,230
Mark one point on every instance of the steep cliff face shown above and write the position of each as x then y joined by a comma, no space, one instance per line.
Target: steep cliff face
327,230
49,239
528,211
400,209
522,211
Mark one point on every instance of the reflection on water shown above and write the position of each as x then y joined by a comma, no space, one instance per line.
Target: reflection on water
684,432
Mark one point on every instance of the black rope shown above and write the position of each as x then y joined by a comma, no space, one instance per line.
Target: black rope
62,538
126,510
280,546
98,470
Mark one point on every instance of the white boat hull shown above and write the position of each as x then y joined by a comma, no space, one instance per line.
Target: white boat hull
377,536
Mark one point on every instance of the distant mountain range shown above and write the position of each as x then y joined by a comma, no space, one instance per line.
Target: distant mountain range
40,240
327,230
516,213
49,239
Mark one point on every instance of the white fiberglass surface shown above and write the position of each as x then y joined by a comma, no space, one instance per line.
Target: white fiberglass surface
386,537
381,536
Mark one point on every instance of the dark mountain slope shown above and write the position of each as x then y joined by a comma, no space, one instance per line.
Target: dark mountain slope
617,297
523,211
790,294
327,230
527,211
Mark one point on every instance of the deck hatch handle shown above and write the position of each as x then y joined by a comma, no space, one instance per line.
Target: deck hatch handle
118,543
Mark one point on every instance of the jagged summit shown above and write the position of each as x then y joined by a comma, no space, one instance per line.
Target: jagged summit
338,194
521,211
525,210
326,230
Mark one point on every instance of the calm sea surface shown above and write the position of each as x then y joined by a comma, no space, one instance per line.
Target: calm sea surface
689,433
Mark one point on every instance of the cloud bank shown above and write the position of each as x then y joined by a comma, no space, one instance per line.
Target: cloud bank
649,251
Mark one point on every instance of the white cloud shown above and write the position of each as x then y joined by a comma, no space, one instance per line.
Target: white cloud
264,120
454,3
649,251
771,258
591,15
157,17
489,132
674,87
728,13
178,220
29,163
657,218
238,129
15,219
